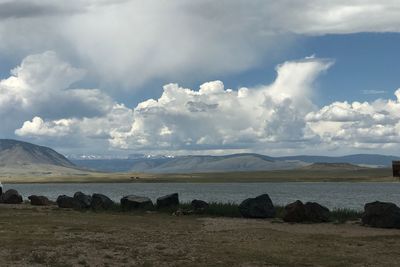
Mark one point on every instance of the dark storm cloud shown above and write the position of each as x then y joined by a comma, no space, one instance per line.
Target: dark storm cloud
27,9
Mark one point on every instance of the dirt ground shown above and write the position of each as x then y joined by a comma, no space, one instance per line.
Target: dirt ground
49,236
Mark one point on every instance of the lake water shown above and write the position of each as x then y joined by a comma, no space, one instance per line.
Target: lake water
332,195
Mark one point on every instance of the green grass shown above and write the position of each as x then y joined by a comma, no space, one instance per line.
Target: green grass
219,209
343,215
223,209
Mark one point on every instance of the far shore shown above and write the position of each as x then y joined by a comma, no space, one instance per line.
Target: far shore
363,175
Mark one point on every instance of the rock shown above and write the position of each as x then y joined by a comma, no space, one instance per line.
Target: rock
316,212
181,212
83,200
64,201
11,196
309,212
199,205
258,207
136,202
101,202
295,212
167,201
381,214
39,200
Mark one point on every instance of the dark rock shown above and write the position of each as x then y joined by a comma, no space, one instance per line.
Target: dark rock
136,202
64,201
381,214
199,205
83,200
11,196
258,207
171,200
295,212
316,212
39,200
181,212
101,202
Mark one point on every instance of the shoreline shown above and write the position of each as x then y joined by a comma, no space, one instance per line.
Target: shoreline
195,182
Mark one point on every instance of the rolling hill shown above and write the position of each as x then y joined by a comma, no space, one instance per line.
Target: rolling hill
19,158
18,153
234,163
229,163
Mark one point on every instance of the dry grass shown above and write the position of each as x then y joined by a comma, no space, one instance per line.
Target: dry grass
300,175
33,236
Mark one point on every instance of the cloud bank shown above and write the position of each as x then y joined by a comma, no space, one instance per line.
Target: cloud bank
276,117
128,43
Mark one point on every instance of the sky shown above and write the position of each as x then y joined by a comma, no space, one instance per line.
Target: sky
115,77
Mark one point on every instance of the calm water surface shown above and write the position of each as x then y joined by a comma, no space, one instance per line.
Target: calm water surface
332,195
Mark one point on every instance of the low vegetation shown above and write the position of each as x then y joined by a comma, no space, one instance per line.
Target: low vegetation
231,210
344,215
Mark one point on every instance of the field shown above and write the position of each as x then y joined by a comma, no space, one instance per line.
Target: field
49,236
299,175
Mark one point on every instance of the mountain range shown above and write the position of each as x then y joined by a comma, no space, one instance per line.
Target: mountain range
234,162
18,156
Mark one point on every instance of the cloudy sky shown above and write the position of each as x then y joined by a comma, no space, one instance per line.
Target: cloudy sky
201,77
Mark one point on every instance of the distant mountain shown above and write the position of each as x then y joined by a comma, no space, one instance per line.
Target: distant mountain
105,165
373,160
233,163
229,163
15,153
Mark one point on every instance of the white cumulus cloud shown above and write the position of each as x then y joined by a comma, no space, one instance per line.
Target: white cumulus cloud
358,125
214,117
276,117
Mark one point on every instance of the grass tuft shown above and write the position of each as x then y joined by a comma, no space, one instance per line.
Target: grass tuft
341,215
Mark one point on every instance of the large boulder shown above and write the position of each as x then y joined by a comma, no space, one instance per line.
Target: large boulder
101,202
199,205
11,196
167,201
64,201
258,207
132,202
39,200
309,212
295,212
83,200
316,212
381,214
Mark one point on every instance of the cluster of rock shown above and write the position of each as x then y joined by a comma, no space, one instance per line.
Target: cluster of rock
262,207
309,212
376,214
83,201
11,196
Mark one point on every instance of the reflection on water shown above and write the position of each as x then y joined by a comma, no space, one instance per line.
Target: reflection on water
339,195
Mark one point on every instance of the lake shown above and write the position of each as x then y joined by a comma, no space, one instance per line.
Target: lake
332,195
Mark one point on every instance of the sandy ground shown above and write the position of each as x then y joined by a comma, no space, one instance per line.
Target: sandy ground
36,236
